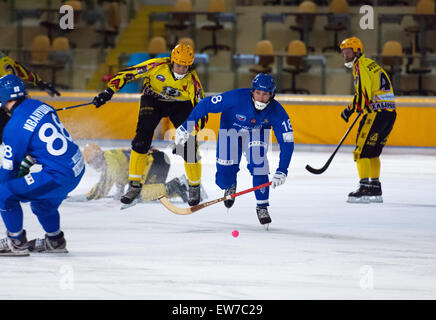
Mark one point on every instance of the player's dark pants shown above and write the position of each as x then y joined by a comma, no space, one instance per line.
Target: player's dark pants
151,111
373,132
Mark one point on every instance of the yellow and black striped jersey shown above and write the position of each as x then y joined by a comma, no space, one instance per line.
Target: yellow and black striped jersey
373,88
10,66
159,81
116,171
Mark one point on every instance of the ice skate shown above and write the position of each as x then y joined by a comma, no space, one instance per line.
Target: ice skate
229,203
375,192
175,187
263,215
132,193
14,247
361,195
184,181
56,244
194,195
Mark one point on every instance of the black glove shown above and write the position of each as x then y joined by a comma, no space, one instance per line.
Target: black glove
102,97
346,114
48,87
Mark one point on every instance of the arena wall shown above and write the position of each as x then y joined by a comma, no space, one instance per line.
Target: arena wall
315,119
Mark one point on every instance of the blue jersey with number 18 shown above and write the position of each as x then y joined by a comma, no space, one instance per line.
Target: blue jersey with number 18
238,112
35,129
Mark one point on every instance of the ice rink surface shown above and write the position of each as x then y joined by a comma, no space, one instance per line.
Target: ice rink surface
318,246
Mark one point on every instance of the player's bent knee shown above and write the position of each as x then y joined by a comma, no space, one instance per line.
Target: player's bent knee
140,146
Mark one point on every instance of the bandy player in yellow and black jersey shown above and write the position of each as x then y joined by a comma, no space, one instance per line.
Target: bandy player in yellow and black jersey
171,89
10,66
114,167
374,97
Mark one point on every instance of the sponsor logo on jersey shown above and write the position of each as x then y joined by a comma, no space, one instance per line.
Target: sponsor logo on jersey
141,69
170,91
382,106
384,97
29,179
288,136
224,162
241,117
253,121
160,77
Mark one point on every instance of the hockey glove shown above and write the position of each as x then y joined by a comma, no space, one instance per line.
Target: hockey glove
48,87
102,97
181,136
346,114
25,166
278,179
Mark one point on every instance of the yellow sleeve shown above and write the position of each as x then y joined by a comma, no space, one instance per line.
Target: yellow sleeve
363,89
198,88
10,66
133,73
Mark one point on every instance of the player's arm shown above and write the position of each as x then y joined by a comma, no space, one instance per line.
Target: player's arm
11,66
198,88
361,95
14,151
122,78
213,104
285,137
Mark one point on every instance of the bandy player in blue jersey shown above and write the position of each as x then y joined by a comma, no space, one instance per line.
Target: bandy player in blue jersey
247,116
34,130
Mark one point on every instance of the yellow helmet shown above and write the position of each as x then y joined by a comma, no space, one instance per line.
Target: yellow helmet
353,43
182,54
91,151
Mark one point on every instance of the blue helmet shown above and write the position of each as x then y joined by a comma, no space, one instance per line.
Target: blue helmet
11,88
264,82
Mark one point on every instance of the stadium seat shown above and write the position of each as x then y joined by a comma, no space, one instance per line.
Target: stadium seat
420,71
265,50
187,41
392,60
60,55
424,7
336,22
295,60
180,20
303,22
156,46
215,6
111,28
40,49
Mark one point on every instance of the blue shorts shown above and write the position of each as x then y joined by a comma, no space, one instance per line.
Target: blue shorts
43,190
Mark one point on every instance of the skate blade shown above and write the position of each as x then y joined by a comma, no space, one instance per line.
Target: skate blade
358,200
376,199
128,205
15,254
54,251
266,226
